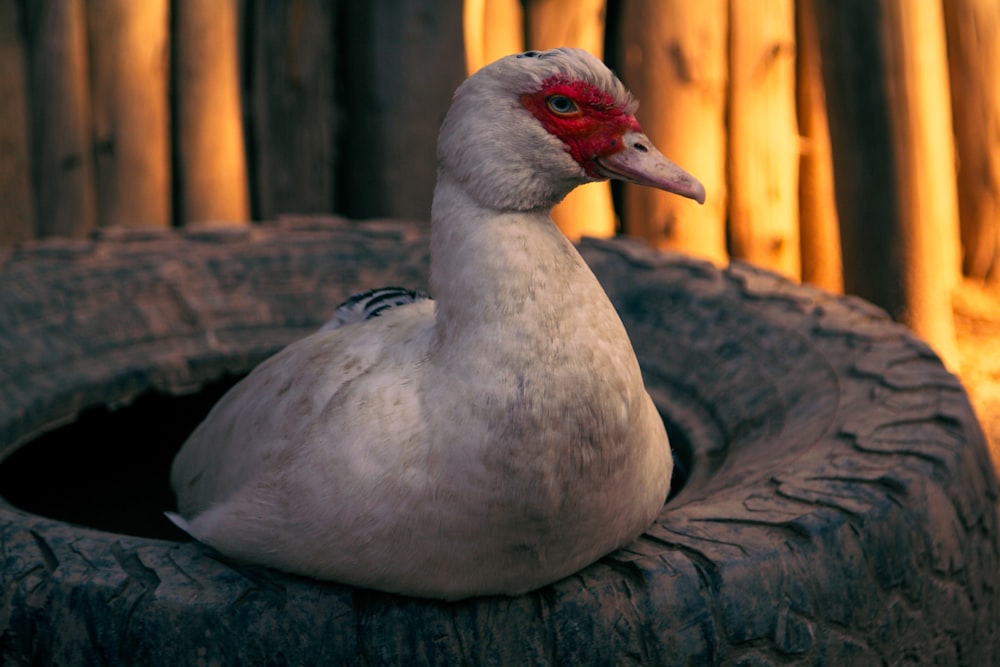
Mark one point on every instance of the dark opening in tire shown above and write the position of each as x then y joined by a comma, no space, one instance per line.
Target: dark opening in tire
110,469
839,506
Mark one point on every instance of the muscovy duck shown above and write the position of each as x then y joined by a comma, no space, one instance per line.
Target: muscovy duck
491,440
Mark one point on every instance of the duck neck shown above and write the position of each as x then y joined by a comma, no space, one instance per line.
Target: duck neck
498,268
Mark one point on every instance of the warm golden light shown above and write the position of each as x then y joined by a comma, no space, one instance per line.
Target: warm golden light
674,58
212,160
493,29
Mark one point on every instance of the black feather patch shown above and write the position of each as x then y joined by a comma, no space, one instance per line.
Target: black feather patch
365,306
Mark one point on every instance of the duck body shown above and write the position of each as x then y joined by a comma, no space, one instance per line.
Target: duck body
490,441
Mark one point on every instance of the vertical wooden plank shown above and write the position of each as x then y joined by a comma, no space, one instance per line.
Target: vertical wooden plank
211,169
674,58
129,76
17,209
818,224
577,23
492,29
405,61
588,210
763,135
62,171
973,37
914,36
295,107
890,124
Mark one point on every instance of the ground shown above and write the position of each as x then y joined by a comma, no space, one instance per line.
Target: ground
977,324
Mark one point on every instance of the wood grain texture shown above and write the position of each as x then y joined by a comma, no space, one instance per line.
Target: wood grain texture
297,116
674,59
819,227
763,136
17,206
890,122
62,157
213,184
129,72
404,61
973,37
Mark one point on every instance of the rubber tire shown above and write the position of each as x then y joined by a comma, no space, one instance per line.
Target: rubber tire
840,508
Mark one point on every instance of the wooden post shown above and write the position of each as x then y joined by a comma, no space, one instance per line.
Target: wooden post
818,225
295,107
211,169
890,123
763,135
673,55
492,29
588,210
973,29
406,59
129,47
62,160
17,210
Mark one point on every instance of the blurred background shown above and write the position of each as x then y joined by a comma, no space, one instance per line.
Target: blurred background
853,144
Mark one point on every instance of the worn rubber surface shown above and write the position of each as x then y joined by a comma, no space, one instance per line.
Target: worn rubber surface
840,508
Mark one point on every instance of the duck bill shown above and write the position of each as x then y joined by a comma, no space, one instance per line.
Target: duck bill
639,162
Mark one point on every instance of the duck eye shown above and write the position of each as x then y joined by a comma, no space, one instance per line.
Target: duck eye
562,105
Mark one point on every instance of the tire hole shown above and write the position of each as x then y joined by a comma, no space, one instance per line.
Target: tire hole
680,447
110,469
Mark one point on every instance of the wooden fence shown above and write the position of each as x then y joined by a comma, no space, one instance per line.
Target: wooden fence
186,112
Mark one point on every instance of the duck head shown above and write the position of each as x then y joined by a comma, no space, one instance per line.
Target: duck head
525,130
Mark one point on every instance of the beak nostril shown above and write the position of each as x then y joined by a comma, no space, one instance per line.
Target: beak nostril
640,148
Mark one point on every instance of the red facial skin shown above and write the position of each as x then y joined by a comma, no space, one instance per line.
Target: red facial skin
594,130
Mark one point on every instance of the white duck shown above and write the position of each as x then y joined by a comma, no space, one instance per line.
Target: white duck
491,441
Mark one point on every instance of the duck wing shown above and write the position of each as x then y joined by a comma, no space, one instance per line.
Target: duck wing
321,402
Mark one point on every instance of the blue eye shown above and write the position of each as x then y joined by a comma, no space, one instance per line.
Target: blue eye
562,105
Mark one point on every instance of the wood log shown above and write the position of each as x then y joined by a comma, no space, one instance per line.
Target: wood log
973,38
763,135
17,208
295,125
890,123
129,48
588,210
673,55
211,169
406,61
62,160
819,230
554,23
492,29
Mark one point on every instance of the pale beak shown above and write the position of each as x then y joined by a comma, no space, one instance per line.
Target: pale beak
639,162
